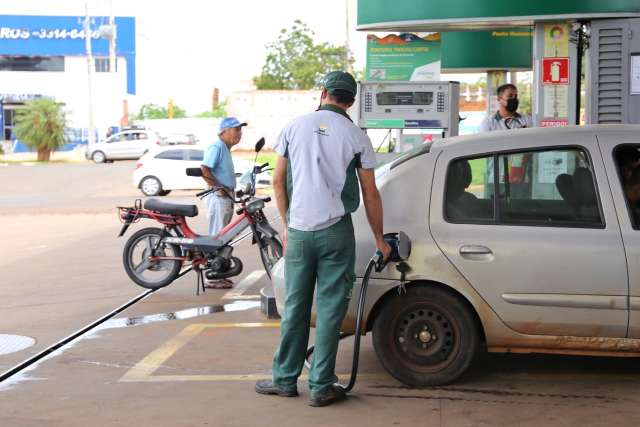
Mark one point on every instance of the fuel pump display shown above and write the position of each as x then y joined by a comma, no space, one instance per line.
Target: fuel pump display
409,105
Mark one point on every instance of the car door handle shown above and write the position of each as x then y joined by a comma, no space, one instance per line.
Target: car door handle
476,252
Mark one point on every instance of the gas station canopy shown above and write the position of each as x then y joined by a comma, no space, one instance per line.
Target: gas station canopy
457,15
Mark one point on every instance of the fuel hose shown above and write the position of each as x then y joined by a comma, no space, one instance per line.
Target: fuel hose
375,260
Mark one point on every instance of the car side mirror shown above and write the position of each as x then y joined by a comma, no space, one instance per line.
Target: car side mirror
259,145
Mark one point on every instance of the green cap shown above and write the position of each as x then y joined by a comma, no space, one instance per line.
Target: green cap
340,80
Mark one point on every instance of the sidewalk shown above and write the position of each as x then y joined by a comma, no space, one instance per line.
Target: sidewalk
72,156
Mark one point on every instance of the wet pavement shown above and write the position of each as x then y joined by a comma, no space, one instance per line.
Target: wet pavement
177,359
171,361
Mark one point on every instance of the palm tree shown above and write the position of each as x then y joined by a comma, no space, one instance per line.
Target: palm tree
41,124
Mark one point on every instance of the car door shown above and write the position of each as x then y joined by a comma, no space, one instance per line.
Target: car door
195,158
125,145
167,166
547,253
113,146
621,155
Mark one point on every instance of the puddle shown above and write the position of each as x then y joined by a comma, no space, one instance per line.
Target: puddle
125,322
14,343
189,313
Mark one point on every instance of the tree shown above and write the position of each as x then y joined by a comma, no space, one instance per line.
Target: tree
220,111
42,125
153,111
294,61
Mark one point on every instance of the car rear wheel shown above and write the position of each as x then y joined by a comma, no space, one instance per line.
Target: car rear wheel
99,157
426,337
151,186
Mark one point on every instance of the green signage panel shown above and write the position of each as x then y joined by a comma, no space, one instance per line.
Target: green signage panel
385,124
403,57
504,49
383,11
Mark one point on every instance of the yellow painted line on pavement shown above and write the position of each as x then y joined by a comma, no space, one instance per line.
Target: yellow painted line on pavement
144,369
238,377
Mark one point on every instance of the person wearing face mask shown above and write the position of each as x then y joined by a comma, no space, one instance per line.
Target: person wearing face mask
507,116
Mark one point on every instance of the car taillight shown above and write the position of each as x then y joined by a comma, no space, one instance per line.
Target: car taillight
138,165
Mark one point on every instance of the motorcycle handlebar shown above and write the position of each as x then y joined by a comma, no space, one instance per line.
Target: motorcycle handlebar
208,191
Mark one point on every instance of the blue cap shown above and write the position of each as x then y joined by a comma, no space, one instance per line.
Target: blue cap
230,122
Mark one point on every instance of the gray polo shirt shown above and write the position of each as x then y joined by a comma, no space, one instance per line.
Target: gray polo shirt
496,122
324,149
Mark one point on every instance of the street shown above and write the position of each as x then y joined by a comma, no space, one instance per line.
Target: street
177,359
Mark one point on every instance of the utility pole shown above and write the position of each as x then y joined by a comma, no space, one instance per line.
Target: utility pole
112,40
347,42
87,41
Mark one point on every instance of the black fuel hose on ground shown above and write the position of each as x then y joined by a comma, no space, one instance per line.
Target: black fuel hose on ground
356,345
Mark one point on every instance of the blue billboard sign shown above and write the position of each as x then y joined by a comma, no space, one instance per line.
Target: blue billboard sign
65,36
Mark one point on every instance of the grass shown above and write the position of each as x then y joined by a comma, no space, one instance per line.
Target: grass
264,157
478,171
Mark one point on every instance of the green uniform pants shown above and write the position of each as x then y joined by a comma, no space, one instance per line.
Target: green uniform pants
325,257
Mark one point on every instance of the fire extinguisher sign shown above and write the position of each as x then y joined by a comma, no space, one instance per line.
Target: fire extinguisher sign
555,71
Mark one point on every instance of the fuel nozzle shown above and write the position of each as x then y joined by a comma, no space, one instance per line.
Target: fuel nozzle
400,250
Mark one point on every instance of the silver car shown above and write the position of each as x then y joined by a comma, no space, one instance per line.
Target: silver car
550,265
128,144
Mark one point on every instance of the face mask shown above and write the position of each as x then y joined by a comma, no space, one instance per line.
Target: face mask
512,105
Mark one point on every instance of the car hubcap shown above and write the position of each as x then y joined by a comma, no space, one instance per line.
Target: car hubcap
98,157
150,186
424,337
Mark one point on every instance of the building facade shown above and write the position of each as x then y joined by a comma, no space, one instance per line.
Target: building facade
46,56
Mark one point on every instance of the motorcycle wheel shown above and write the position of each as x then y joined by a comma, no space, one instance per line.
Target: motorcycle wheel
150,274
270,253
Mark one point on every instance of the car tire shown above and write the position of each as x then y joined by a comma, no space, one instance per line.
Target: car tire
426,337
151,186
165,192
99,157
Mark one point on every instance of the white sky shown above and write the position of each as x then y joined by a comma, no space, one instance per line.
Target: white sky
186,48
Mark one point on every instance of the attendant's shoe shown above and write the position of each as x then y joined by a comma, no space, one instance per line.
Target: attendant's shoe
331,394
268,387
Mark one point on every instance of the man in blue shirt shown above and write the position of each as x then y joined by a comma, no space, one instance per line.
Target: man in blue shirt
217,171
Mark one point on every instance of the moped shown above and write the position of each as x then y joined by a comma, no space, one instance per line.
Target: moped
154,257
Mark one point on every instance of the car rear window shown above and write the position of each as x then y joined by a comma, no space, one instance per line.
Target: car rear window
171,155
196,155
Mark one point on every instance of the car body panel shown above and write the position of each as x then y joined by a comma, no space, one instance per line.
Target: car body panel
128,144
171,172
544,316
631,237
527,258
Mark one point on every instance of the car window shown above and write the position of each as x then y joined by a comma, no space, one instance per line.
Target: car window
196,155
552,188
469,190
627,158
171,155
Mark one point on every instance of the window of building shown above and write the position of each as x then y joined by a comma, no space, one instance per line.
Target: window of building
103,65
171,155
31,63
553,188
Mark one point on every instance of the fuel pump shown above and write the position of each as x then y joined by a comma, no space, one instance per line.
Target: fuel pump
402,106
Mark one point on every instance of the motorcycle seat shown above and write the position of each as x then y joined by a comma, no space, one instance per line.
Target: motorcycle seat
171,208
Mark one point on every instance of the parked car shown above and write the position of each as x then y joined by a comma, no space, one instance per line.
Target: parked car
162,169
128,144
550,265
179,139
